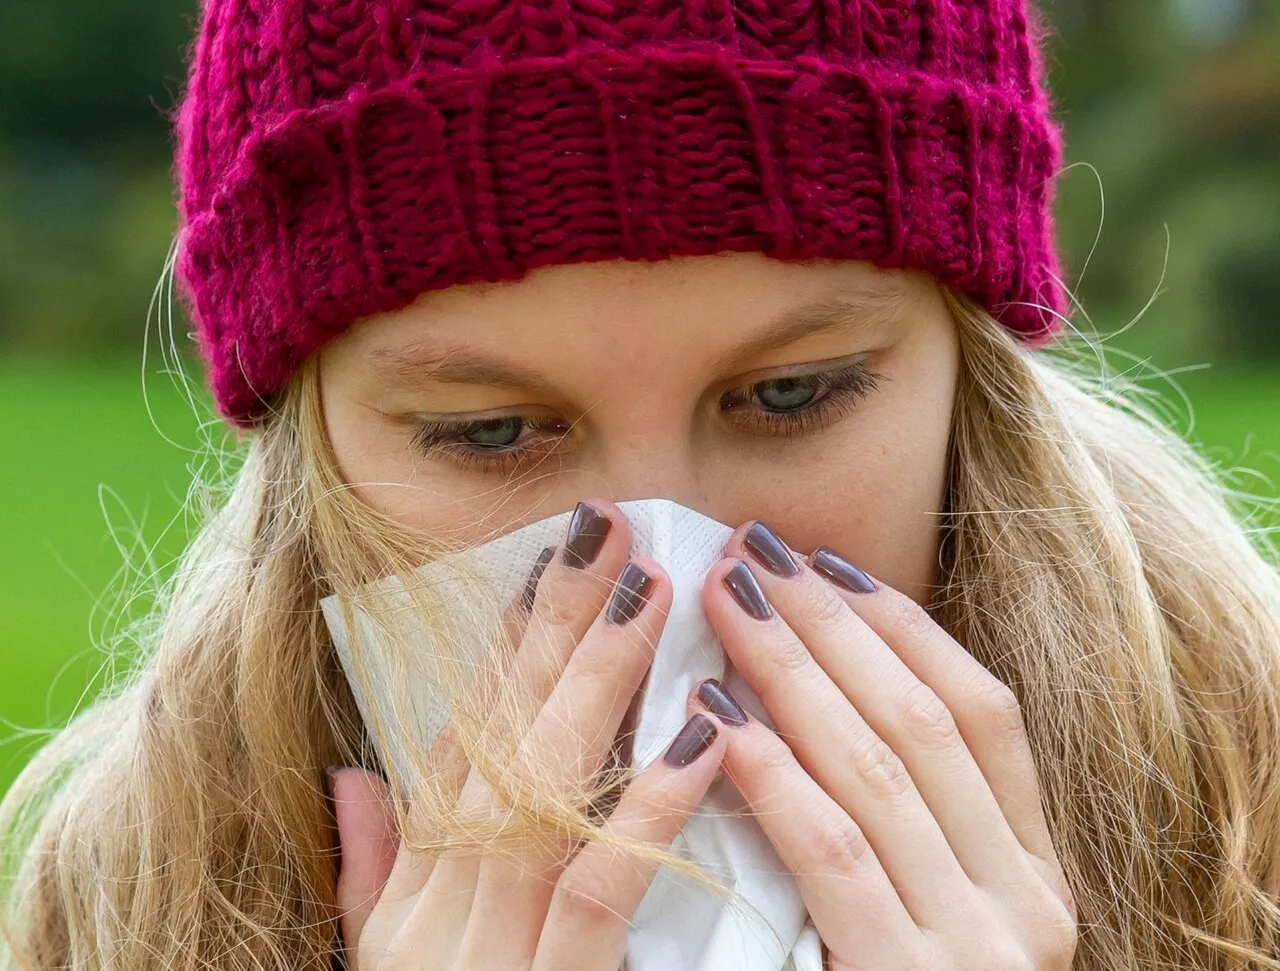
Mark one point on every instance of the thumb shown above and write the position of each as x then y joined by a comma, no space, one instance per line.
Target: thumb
368,842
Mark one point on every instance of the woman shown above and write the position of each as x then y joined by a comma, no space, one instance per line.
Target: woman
459,267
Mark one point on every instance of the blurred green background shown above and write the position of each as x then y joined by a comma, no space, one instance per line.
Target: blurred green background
1172,111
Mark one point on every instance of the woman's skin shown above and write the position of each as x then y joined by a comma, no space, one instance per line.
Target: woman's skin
904,799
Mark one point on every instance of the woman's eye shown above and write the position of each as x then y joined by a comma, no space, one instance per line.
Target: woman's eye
490,443
785,394
498,433
800,404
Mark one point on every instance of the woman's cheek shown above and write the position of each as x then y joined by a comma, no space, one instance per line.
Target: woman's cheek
872,494
389,475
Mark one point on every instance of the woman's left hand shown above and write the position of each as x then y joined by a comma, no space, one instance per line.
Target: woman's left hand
899,787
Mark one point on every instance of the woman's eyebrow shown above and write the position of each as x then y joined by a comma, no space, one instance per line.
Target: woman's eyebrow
832,313
420,362
416,363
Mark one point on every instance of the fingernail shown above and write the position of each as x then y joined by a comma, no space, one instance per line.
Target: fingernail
587,532
742,584
720,702
531,585
629,595
769,551
692,740
840,571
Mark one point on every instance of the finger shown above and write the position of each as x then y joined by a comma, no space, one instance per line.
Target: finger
598,893
448,756
563,600
563,593
985,709
577,726
899,707
566,748
837,871
499,665
835,745
446,769
367,840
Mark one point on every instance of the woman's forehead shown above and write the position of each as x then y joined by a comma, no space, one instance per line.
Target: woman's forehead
726,309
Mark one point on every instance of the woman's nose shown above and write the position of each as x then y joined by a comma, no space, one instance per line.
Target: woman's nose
655,467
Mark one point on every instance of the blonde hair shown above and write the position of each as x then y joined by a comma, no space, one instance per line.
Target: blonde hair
1090,558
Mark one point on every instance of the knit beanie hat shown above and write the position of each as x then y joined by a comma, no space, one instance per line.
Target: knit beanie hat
337,158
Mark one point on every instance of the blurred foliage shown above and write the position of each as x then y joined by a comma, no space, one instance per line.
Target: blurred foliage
1174,103
86,209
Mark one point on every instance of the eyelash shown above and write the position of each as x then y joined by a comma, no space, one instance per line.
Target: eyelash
837,393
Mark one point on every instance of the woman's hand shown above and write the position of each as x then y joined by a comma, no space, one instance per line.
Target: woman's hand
584,651
899,786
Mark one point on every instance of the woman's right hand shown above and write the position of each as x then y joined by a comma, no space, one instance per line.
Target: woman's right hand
588,628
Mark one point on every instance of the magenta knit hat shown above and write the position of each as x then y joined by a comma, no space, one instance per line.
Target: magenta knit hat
336,158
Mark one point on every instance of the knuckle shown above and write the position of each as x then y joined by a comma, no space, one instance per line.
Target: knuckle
882,770
560,608
826,608
608,665
599,665
766,772
774,757
569,599
839,845
1055,933
1055,880
790,657
590,679
582,896
1056,943
998,708
927,719
908,616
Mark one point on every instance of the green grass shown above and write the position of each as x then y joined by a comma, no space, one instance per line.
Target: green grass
84,470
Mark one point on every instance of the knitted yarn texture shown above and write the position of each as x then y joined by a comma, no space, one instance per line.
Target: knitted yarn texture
337,158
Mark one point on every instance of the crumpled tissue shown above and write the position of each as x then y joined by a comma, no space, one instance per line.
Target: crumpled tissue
678,926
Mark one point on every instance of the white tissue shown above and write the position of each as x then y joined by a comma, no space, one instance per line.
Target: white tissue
678,926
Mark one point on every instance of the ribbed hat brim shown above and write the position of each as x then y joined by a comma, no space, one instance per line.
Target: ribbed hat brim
488,170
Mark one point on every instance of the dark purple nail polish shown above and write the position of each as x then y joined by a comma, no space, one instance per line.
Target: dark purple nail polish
840,571
693,739
720,702
587,532
746,591
531,585
629,595
769,551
